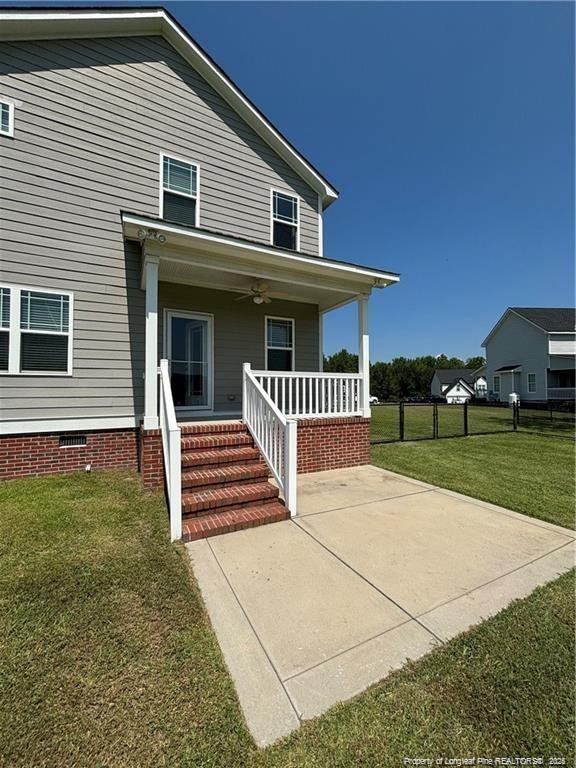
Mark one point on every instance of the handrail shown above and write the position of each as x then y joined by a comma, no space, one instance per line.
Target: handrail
316,395
172,450
273,433
316,374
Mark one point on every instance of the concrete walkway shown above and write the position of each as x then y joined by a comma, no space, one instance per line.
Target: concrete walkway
375,570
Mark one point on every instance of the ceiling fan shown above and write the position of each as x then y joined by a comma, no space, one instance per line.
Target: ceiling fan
259,294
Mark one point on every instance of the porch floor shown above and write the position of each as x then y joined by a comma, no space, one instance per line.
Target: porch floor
376,569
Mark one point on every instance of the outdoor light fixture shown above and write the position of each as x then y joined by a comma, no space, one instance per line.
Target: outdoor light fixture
258,300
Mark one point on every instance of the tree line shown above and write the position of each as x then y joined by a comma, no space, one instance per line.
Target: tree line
402,377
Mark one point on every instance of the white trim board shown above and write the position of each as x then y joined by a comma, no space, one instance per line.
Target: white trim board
79,424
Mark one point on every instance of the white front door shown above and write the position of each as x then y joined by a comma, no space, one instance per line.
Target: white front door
189,350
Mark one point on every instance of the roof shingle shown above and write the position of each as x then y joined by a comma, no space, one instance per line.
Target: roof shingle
551,319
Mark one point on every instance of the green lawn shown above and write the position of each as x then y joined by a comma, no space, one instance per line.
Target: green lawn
108,659
418,421
529,473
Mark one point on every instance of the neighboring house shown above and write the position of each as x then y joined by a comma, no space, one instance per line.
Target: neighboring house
531,351
458,385
151,212
458,392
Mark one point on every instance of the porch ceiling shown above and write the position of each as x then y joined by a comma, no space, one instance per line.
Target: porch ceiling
197,257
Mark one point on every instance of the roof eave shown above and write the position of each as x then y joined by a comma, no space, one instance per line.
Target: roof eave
134,224
44,24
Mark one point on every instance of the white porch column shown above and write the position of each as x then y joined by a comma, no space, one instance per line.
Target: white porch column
364,355
150,278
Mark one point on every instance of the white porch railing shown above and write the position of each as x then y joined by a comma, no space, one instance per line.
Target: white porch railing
273,433
313,395
561,393
172,450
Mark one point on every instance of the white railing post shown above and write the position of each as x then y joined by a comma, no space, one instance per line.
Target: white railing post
291,466
245,370
172,451
175,470
364,355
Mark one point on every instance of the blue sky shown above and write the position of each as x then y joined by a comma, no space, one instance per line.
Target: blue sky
448,129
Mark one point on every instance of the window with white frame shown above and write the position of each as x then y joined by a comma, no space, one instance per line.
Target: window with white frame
285,220
6,118
497,384
279,344
35,331
179,194
531,382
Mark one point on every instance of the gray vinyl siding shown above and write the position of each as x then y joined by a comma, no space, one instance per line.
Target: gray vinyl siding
239,334
91,119
518,342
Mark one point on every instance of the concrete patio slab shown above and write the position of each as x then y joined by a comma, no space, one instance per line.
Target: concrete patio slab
315,607
346,675
447,545
338,488
266,705
377,569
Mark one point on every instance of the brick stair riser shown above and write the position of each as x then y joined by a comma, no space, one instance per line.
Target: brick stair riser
196,462
212,429
213,442
225,498
229,473
191,487
201,528
188,515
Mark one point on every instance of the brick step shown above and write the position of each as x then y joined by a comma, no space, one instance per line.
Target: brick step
225,521
212,428
204,501
220,456
222,440
222,476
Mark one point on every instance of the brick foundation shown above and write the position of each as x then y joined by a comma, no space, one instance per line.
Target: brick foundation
41,453
151,458
333,443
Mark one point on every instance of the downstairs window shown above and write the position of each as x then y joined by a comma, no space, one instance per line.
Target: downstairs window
35,329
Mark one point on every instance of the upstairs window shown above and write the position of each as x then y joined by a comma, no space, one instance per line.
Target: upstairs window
285,221
279,344
35,331
179,194
531,382
6,118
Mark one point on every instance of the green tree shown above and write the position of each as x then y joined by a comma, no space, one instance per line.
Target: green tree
341,362
475,362
379,386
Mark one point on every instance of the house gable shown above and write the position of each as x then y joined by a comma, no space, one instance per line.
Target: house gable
75,23
105,109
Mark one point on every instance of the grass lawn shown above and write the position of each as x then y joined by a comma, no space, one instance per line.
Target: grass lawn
108,659
529,473
418,421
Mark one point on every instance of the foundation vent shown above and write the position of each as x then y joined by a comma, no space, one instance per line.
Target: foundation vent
71,441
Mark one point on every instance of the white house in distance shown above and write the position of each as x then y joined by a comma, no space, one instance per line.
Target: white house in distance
532,351
458,385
